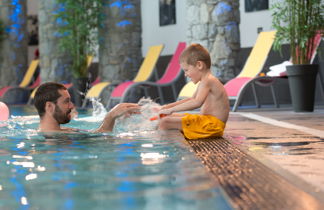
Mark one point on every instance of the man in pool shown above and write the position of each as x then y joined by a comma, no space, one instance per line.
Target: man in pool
54,106
210,97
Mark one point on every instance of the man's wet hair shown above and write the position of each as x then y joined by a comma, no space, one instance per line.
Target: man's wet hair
194,53
47,92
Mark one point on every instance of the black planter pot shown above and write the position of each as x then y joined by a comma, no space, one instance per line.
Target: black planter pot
78,90
302,81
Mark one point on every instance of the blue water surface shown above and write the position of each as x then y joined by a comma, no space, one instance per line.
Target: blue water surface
148,170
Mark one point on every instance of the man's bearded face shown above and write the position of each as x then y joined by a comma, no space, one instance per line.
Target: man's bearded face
60,116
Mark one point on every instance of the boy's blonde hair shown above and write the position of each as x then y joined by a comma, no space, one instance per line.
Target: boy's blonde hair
194,53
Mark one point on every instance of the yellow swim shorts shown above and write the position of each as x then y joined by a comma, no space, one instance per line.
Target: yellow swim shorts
197,126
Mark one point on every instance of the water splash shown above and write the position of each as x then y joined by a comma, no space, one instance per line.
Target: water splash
98,108
20,126
138,123
98,113
74,114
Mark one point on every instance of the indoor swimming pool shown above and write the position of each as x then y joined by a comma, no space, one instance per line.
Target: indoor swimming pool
120,170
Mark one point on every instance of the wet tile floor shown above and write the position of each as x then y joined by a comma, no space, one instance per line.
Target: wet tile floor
290,143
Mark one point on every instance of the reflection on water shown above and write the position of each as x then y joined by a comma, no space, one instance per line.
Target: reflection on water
146,170
276,146
297,155
280,144
283,148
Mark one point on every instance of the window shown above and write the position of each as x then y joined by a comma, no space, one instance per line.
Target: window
256,5
167,12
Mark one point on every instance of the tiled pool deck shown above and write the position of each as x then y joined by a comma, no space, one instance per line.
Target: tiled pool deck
269,159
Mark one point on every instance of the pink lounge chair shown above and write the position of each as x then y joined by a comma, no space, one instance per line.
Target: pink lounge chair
250,75
236,87
69,86
22,91
172,78
145,72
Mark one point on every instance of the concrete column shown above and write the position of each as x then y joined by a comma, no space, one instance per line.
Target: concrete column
215,25
54,63
13,49
120,40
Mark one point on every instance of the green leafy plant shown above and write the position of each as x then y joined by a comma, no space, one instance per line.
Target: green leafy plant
78,21
297,22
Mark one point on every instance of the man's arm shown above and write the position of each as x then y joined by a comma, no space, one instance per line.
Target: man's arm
120,109
107,124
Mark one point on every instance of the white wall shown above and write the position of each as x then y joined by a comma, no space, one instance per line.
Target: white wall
251,21
170,35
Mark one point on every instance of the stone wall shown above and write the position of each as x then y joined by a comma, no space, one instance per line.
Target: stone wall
54,64
120,41
215,25
13,49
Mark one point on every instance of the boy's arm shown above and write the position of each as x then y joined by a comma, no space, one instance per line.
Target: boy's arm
193,103
170,105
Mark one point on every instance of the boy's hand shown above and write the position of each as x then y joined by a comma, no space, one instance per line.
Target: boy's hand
165,112
163,107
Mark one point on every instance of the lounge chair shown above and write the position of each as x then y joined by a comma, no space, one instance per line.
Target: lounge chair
253,66
145,73
188,90
32,94
279,71
173,78
67,85
22,91
237,86
249,75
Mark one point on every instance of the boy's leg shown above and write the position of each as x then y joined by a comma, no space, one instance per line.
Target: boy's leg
170,122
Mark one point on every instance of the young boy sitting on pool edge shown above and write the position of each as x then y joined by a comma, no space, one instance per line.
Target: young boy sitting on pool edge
210,97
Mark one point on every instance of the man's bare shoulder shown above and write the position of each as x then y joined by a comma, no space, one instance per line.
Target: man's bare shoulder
60,130
70,130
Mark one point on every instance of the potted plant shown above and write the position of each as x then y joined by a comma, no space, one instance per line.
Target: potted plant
78,21
297,22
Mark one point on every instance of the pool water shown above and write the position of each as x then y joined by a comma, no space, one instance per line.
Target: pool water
142,170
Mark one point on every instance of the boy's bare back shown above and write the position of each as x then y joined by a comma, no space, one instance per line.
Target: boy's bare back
215,98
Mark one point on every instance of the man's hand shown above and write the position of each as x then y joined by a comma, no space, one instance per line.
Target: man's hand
120,109
124,109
